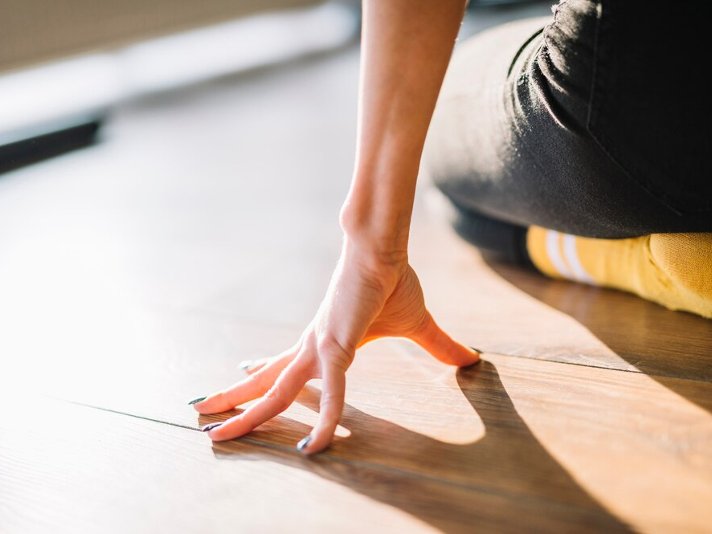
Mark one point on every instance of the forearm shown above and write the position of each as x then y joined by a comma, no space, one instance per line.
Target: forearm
406,46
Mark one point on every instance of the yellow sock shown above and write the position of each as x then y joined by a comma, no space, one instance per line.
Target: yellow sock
674,270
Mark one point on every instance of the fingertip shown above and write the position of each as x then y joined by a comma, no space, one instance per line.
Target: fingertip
213,430
311,447
250,367
317,441
218,433
212,404
303,445
203,407
213,435
473,356
459,355
196,401
463,356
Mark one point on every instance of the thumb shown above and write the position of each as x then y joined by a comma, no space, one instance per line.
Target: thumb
441,346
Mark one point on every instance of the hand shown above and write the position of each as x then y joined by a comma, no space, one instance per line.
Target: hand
367,298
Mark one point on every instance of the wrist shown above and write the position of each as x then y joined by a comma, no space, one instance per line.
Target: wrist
382,238
382,268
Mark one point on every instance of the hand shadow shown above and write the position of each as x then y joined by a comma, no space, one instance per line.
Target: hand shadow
504,481
671,347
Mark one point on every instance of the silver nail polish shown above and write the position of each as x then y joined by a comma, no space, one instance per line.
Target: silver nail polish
303,443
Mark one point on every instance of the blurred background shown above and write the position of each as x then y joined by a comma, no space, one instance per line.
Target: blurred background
169,159
64,65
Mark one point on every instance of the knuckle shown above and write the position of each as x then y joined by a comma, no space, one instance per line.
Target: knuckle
340,360
264,380
303,366
276,397
256,380
220,397
333,353
305,372
326,343
330,399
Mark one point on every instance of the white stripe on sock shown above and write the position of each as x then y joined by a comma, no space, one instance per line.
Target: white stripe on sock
579,273
552,249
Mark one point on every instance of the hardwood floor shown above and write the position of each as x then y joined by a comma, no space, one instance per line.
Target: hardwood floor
201,232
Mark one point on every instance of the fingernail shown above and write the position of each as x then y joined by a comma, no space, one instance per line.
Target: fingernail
302,444
245,365
209,426
196,401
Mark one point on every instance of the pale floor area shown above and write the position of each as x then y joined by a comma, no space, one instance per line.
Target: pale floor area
138,274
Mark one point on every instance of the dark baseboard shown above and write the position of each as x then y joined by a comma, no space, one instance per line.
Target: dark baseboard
27,151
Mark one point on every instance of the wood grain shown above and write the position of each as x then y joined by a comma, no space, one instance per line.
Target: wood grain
72,469
536,446
234,486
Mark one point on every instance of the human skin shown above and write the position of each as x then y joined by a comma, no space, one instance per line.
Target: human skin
373,292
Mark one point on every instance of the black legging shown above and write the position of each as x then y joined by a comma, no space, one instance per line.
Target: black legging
594,123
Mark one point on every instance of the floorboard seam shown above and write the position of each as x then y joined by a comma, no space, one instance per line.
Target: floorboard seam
349,462
633,371
289,325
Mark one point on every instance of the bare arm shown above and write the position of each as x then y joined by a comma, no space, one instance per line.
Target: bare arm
406,48
373,292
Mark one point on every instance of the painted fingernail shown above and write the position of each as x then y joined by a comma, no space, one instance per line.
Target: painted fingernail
196,401
209,427
245,365
302,444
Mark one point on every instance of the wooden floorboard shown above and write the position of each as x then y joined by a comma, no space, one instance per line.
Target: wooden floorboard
61,483
565,437
81,470
506,439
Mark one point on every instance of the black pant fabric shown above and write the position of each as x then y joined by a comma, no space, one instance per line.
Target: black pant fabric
594,122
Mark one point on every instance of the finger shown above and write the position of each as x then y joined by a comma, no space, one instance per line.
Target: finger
255,385
331,407
439,344
252,366
279,397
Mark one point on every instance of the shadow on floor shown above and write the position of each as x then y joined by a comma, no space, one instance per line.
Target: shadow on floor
674,348
500,482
